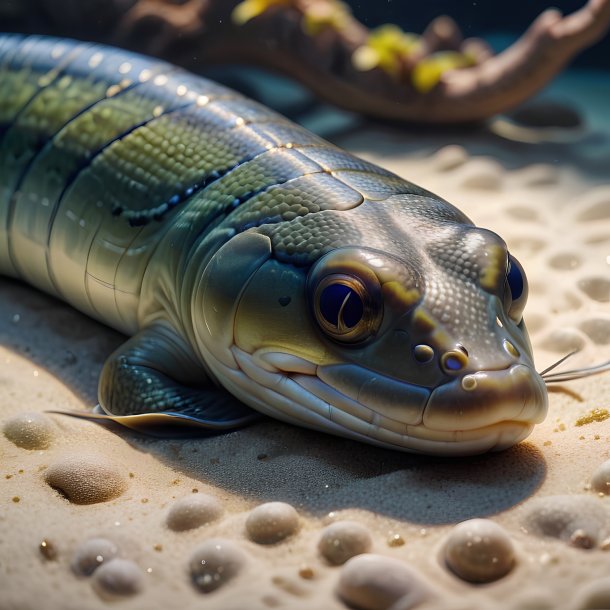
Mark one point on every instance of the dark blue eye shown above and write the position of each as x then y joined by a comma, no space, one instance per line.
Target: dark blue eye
341,306
515,278
345,309
516,291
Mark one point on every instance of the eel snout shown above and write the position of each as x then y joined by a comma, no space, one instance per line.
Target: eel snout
485,398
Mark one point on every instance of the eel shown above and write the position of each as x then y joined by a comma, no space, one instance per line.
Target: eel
257,268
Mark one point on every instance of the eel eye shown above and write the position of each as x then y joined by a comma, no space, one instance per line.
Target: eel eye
516,290
343,308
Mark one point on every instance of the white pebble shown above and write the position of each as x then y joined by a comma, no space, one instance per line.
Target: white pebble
91,554
272,522
343,540
215,562
193,511
579,520
375,582
479,550
29,431
600,481
118,578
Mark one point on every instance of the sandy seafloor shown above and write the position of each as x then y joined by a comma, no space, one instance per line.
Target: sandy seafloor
551,203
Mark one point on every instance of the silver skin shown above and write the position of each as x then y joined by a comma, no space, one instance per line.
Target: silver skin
213,231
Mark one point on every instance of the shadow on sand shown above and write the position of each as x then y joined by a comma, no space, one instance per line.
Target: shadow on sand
272,461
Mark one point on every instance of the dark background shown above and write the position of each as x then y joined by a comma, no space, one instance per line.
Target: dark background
476,18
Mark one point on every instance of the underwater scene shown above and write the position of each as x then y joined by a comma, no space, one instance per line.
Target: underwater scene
304,304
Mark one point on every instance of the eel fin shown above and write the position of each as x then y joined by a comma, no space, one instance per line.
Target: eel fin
154,381
168,424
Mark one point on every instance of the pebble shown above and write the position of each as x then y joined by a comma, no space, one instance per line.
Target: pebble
523,213
29,430
596,288
597,329
193,511
48,549
564,301
86,479
118,578
594,595
600,481
594,205
91,554
215,562
375,582
564,340
450,157
482,174
578,520
565,261
343,540
528,245
538,175
396,540
479,550
272,522
306,572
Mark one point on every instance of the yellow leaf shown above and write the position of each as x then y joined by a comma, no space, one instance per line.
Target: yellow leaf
387,47
248,9
429,71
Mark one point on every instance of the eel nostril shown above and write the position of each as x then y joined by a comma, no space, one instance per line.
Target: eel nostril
510,349
454,360
460,347
423,353
469,383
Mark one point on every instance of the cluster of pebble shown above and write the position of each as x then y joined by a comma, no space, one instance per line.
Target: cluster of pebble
113,576
476,551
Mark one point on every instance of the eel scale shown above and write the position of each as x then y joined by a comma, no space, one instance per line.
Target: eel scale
257,268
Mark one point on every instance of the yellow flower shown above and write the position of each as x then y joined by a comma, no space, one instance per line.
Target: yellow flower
248,9
429,71
386,47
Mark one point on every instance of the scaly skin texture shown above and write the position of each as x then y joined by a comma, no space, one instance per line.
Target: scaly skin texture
244,252
316,42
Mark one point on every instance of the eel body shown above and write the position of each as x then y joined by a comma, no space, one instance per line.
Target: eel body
257,268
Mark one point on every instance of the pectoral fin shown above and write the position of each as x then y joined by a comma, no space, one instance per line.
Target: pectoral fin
152,382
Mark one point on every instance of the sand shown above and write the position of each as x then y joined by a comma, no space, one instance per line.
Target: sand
546,528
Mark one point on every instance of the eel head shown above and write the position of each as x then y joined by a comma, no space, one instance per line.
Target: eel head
412,338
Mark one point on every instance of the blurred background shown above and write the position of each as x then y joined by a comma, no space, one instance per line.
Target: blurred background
499,22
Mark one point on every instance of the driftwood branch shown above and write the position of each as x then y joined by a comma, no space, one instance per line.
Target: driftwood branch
195,33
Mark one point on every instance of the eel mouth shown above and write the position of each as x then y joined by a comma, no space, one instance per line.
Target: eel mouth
478,399
476,413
